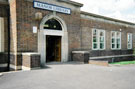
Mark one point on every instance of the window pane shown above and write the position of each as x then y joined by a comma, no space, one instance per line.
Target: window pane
101,33
118,34
101,45
118,46
94,39
95,45
128,37
113,40
52,24
118,41
129,46
113,45
101,39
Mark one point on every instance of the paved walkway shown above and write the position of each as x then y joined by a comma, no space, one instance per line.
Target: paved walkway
71,76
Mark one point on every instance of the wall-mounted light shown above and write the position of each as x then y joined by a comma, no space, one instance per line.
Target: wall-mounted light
38,16
120,29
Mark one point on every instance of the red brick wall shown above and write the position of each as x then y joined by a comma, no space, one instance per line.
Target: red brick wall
27,40
87,26
79,29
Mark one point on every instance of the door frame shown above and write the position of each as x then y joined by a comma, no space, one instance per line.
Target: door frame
42,38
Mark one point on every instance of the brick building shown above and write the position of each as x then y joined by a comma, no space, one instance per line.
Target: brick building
34,32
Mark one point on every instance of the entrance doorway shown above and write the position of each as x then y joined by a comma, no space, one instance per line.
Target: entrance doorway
53,39
53,48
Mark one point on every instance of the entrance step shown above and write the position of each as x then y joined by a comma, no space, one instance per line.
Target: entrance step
99,62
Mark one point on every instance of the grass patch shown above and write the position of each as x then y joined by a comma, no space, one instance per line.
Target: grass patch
124,62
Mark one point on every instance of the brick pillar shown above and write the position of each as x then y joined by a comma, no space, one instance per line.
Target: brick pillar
13,33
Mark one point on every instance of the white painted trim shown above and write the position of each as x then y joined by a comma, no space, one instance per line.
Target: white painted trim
15,67
30,54
18,53
53,32
104,39
27,68
120,41
131,43
3,65
100,57
83,52
1,34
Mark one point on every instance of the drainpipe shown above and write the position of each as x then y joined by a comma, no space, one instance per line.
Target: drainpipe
8,18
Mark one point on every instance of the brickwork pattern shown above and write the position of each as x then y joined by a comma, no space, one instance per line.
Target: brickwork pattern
88,25
27,40
79,30
17,62
31,61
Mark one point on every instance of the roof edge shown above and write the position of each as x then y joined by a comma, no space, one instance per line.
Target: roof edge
72,2
108,18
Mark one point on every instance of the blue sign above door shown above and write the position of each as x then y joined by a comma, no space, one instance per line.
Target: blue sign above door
51,7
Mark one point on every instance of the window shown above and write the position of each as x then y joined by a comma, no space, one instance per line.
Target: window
1,34
52,24
129,40
116,40
98,42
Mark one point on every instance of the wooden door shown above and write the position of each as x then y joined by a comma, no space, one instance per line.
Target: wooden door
58,49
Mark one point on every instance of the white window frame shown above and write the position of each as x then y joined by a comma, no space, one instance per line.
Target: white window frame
1,34
98,39
131,40
115,37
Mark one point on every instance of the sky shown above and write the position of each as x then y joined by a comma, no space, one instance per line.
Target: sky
118,9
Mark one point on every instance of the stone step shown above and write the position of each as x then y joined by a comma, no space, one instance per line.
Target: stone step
99,62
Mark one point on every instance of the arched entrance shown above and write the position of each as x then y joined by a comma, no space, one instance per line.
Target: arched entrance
53,40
